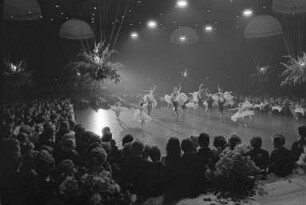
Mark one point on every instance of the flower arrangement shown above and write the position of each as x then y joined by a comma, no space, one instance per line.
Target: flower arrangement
96,65
295,72
16,75
235,174
86,187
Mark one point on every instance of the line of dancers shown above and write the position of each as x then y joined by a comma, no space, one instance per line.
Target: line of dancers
179,101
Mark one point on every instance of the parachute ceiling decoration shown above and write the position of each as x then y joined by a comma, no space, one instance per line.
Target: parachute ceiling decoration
75,29
21,10
184,35
289,6
263,26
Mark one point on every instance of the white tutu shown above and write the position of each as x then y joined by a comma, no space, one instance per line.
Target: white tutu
119,109
277,107
182,98
300,110
192,104
151,98
168,99
139,116
243,114
247,105
216,99
205,103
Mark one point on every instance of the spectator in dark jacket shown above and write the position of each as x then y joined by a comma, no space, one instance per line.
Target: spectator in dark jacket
259,155
298,146
205,154
281,159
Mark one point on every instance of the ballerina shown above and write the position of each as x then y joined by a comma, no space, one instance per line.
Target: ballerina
208,103
117,108
175,100
194,102
150,100
168,100
221,103
141,116
241,114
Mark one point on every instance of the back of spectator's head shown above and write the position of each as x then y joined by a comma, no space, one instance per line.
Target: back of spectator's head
137,148
44,163
107,137
69,143
220,142
233,141
46,148
187,145
126,139
173,147
105,130
127,150
98,156
256,142
49,132
146,152
278,140
22,138
302,132
155,154
25,129
79,129
65,167
203,140
38,128
64,125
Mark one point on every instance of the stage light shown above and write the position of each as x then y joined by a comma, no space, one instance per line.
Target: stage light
247,12
152,24
134,35
181,4
182,38
208,28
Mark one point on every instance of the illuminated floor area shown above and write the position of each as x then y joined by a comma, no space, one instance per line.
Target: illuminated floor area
164,126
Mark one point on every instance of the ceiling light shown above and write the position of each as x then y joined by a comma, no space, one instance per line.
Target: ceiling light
181,3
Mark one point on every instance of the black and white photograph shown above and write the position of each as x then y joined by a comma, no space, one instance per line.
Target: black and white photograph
153,102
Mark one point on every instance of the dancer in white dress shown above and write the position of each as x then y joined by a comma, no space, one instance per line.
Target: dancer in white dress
117,108
150,99
194,102
178,99
242,113
141,116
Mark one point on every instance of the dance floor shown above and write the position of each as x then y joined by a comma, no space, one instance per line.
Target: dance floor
164,125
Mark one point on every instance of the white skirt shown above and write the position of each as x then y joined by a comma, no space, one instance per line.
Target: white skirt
278,108
182,98
241,115
300,110
192,105
140,116
168,99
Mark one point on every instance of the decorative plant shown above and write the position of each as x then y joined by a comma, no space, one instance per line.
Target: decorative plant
235,174
87,187
89,70
295,72
16,76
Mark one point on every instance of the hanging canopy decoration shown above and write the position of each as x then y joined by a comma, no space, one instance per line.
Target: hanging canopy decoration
263,26
21,10
75,29
184,35
289,6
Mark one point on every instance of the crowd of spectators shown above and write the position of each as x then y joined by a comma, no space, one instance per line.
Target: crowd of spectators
41,145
